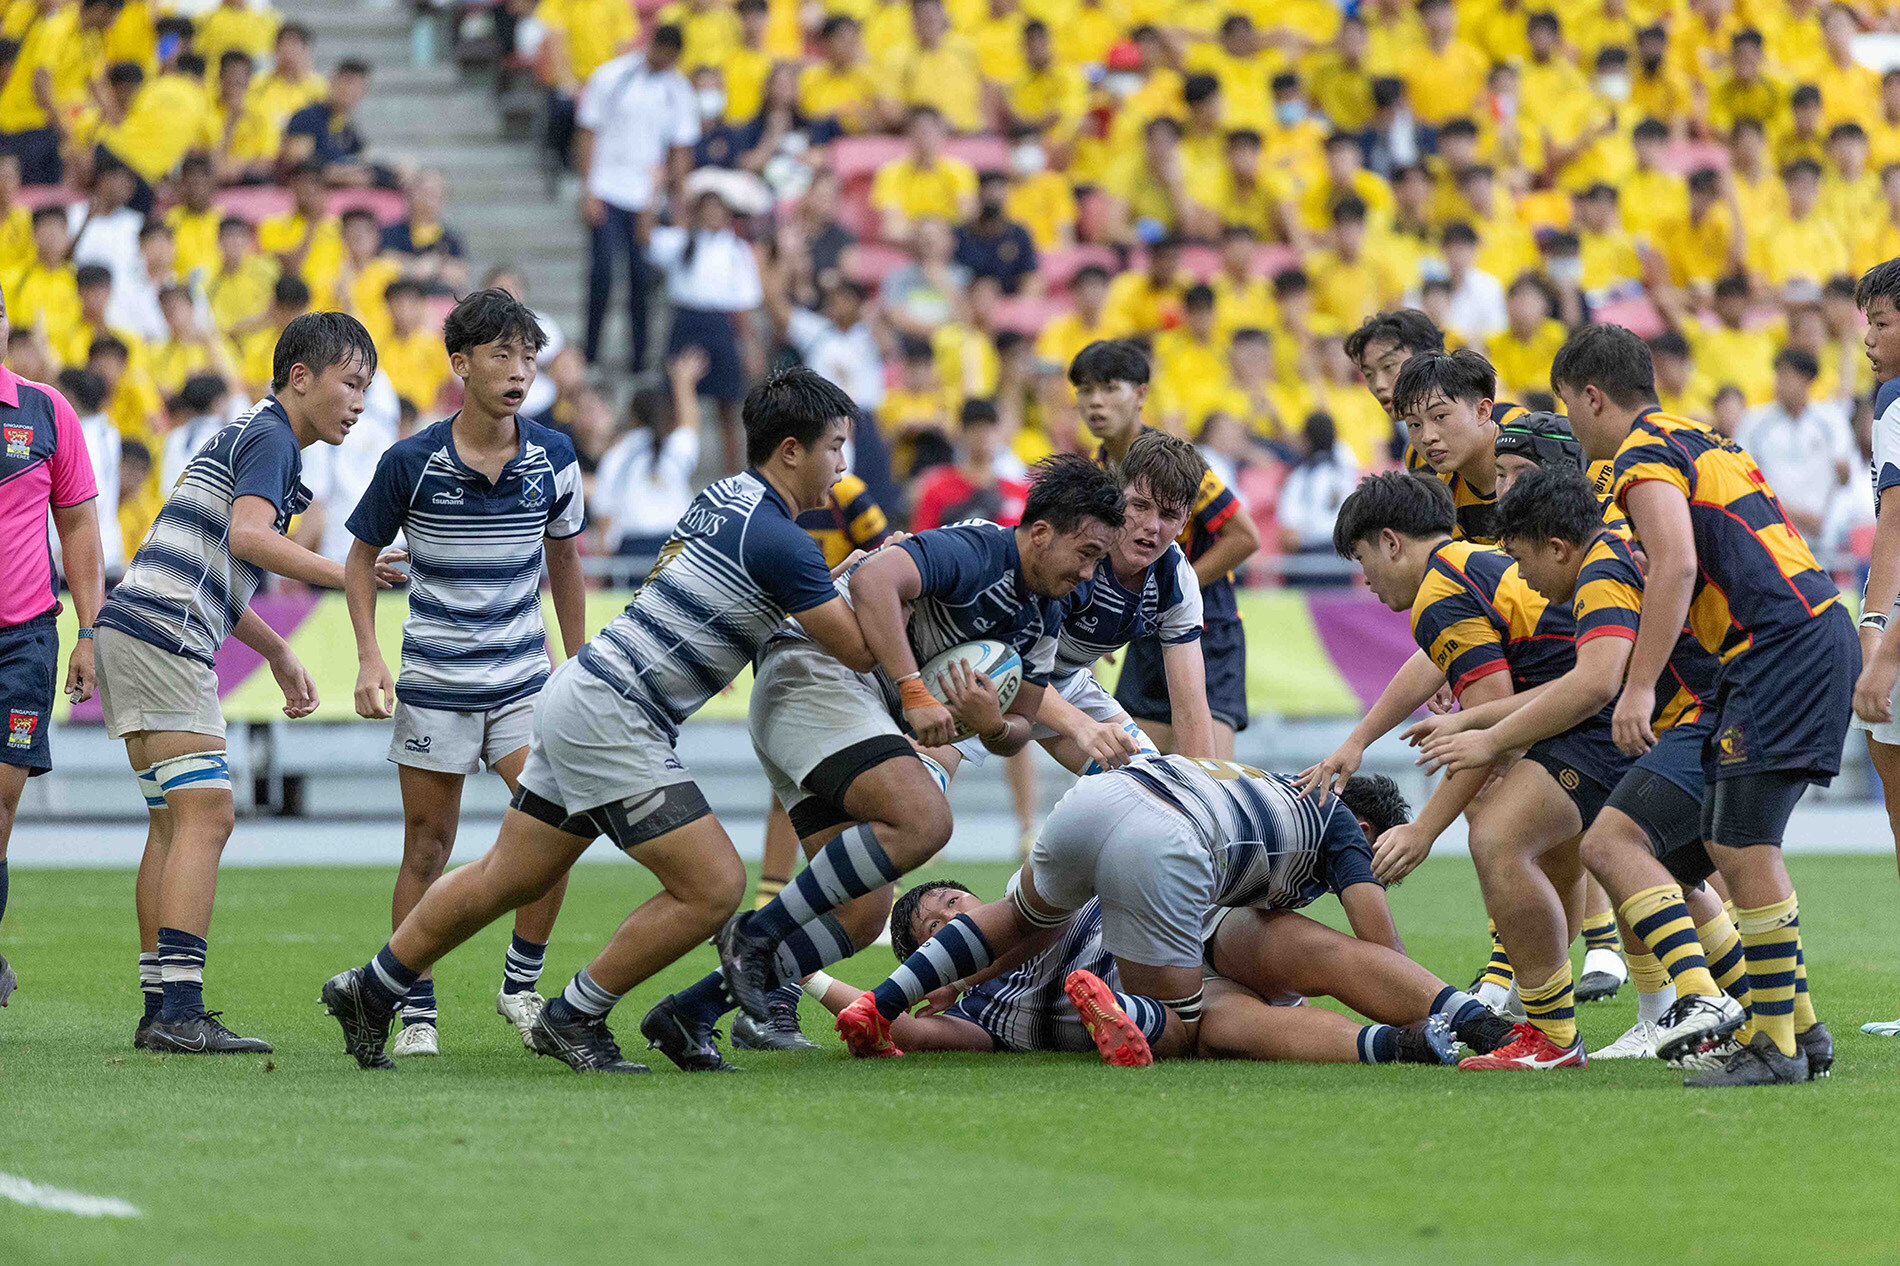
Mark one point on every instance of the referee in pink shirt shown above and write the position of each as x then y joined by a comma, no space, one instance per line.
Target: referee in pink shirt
43,466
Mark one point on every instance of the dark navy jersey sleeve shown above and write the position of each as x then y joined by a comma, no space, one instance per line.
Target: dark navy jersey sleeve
952,562
785,562
379,514
1348,857
265,463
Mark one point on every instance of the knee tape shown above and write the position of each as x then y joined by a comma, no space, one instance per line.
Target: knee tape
1033,917
149,788
1188,1008
196,771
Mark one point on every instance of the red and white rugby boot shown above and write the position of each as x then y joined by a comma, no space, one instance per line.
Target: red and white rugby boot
867,1033
1529,1051
1116,1036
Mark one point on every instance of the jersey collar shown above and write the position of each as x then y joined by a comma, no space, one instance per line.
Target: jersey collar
507,468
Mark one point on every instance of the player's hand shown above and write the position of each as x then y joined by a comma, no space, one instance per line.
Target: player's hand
1442,702
941,999
1873,693
81,680
1398,852
1629,726
1442,724
1108,745
1467,749
375,692
971,698
933,725
388,574
300,692
1318,780
593,210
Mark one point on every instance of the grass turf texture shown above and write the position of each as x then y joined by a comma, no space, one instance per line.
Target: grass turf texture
489,1154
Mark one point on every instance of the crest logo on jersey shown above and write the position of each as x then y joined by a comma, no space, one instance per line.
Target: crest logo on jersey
19,441
453,497
1568,780
20,728
532,493
419,746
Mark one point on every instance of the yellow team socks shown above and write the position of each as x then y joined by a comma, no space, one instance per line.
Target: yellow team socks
1722,947
1552,1007
1599,932
1771,941
1659,917
1804,1017
1649,975
769,887
1498,971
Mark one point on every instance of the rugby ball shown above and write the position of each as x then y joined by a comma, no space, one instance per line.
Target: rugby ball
999,662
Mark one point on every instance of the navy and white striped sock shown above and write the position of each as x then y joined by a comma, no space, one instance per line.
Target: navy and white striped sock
1457,1006
521,969
850,866
705,1000
386,980
583,996
151,985
1378,1044
418,1002
786,995
181,967
1149,1016
958,949
812,947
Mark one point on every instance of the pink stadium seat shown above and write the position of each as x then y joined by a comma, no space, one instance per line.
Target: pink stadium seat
859,157
1027,315
1639,315
868,263
1687,156
1058,268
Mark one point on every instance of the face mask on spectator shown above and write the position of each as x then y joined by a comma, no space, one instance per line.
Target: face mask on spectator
1615,87
1290,113
712,103
1027,159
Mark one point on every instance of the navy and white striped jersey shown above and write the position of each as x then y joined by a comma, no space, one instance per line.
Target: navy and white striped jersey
974,588
734,568
183,592
1886,458
1272,847
1104,615
1026,1009
474,639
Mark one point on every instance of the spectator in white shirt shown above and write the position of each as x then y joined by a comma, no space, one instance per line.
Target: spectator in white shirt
104,229
1312,494
134,303
645,481
837,340
1804,447
86,392
637,119
1476,310
198,412
712,283
1850,509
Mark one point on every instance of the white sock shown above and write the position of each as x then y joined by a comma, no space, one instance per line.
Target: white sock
1650,1006
1493,995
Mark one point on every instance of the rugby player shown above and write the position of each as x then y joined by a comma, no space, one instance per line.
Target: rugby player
481,499
1724,559
1110,378
188,588
601,759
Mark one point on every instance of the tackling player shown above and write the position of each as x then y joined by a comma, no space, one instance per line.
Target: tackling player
188,588
601,759
1110,378
480,499
1724,558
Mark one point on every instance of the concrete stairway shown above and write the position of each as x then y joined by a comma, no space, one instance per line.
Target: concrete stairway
434,116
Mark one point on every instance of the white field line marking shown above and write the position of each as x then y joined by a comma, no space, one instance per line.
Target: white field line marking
39,1196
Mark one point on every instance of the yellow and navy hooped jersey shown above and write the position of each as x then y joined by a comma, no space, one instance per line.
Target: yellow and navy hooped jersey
850,519
1477,511
1475,615
1756,578
1608,602
1602,479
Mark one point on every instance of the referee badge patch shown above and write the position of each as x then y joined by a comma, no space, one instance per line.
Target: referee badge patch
19,441
20,728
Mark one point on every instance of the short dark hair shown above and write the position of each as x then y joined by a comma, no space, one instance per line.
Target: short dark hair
1609,358
491,316
49,213
1418,506
352,66
1747,35
1801,167
1651,130
1407,329
1068,488
404,286
230,222
290,292
318,340
795,403
125,74
1198,88
904,913
1805,95
978,412
1460,375
1170,466
1706,181
1669,343
109,344
85,390
1460,127
1377,801
1198,296
295,31
1732,286
90,275
1800,360
235,57
1109,360
1550,503
1881,279
200,394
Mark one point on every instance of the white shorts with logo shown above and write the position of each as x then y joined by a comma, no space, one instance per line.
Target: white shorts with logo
1110,839
807,707
142,687
1085,695
590,745
459,742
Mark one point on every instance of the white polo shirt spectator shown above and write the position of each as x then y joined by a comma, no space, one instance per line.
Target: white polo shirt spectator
1806,449
848,357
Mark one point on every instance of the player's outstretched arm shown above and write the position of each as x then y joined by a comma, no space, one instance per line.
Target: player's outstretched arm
1417,680
910,1032
1591,683
1399,851
1659,513
1186,672
1080,738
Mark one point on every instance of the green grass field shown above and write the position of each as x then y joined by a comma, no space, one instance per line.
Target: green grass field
491,1155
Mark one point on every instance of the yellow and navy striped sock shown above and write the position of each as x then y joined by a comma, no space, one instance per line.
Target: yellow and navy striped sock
1498,971
769,886
1599,932
1645,970
1552,1007
1804,1017
1769,939
1722,947
1659,917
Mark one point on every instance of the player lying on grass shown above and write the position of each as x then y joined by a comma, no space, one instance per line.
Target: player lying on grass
1724,559
1160,842
832,739
601,759
1493,636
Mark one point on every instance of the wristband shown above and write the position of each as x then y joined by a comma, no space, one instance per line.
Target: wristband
85,635
1002,732
816,984
912,692
1871,620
